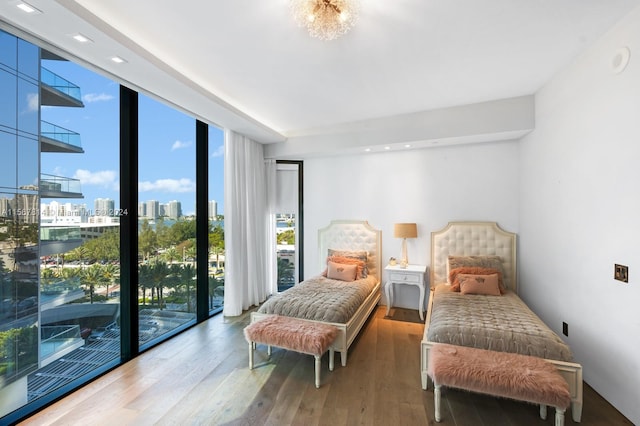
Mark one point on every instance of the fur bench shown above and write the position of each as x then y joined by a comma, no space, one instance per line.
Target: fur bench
294,334
520,377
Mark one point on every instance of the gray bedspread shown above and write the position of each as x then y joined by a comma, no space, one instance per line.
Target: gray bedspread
321,299
499,323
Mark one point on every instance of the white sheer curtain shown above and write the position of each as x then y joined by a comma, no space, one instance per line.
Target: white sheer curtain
249,271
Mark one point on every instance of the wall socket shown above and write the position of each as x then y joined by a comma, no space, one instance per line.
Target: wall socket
565,329
621,273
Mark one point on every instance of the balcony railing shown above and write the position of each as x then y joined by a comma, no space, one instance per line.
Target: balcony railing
60,134
59,233
58,337
52,286
60,84
59,184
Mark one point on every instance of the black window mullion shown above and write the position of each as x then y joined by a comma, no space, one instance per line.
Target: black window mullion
202,221
129,223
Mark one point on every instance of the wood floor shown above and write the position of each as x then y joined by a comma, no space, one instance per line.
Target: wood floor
201,377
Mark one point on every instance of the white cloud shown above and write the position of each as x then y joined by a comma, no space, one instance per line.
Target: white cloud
33,102
96,97
180,145
106,178
168,185
219,152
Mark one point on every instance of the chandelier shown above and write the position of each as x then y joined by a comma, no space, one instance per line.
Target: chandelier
326,19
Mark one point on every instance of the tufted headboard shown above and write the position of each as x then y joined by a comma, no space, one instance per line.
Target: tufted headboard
473,239
352,235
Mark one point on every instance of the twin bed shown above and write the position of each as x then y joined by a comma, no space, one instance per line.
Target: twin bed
500,322
346,305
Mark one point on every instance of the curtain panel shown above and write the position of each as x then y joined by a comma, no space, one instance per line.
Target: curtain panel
249,259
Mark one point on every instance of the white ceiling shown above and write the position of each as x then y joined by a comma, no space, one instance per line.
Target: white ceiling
245,64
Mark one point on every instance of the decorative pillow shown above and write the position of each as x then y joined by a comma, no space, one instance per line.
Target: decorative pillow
479,284
354,254
455,283
494,262
341,271
347,261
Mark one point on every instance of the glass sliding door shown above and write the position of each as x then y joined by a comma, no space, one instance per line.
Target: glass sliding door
288,223
167,221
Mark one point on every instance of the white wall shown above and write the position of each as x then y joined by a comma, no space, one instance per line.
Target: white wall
429,187
579,214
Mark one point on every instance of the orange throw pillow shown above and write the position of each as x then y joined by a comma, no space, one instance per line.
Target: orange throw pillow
474,270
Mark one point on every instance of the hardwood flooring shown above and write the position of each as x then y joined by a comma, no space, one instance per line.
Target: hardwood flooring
201,377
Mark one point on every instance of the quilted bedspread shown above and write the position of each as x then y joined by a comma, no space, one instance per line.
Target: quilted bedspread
321,299
500,323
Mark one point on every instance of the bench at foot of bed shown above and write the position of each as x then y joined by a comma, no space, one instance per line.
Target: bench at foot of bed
292,334
519,377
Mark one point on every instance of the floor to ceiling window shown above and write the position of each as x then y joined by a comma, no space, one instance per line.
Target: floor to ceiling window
167,220
59,249
288,223
215,210
66,292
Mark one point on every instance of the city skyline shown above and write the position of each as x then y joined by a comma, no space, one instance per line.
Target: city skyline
106,207
166,149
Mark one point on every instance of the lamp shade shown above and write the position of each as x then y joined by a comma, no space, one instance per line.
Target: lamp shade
405,230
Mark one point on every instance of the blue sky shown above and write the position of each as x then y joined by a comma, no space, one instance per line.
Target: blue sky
166,149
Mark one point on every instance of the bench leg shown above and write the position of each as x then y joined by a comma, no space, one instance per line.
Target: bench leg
269,350
331,355
251,347
317,368
343,357
543,411
559,416
436,400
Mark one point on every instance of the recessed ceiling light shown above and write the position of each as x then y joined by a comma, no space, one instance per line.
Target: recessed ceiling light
81,38
367,150
27,8
407,146
118,60
387,148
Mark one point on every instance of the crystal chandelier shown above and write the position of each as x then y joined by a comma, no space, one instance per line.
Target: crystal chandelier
326,19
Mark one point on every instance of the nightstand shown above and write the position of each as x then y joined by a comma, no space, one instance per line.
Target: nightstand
411,275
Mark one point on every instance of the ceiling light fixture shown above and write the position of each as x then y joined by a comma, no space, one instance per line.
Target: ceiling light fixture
325,19
118,60
27,8
81,38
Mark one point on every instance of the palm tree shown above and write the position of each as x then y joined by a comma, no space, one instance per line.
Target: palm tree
144,280
171,254
92,278
110,273
186,279
160,273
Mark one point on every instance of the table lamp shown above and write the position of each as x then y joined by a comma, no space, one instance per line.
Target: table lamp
404,231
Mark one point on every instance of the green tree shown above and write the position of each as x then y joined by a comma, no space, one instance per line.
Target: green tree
187,274
92,277
147,241
145,281
171,254
287,237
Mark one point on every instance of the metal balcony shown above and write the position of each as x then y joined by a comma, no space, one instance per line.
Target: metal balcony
57,91
58,139
59,187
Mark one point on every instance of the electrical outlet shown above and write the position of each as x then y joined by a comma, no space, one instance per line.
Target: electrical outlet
565,329
621,273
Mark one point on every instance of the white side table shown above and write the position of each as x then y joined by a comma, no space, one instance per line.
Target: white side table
411,275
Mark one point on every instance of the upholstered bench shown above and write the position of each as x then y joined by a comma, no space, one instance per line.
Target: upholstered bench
294,334
520,377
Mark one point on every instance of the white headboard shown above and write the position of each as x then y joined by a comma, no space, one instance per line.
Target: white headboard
352,235
473,239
